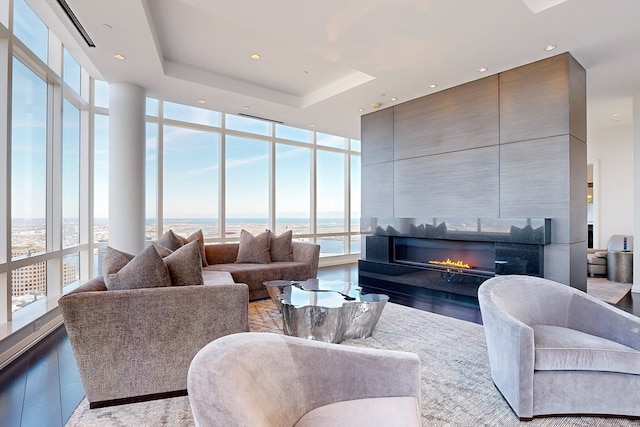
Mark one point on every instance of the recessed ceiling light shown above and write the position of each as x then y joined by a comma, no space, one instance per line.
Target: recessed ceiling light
119,57
616,114
482,69
255,56
394,99
305,72
361,109
246,107
312,125
376,105
201,101
549,47
107,26
433,86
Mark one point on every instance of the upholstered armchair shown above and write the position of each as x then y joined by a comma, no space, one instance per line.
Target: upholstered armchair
556,350
271,380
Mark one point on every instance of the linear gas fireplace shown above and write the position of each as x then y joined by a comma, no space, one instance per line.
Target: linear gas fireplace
451,257
445,255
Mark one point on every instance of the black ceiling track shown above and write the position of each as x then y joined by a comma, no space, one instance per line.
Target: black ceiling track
76,23
261,118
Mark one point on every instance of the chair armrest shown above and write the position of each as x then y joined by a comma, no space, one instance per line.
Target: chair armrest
595,317
511,349
245,379
140,342
307,253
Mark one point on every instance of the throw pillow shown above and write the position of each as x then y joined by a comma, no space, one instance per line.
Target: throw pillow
254,249
171,241
145,270
280,247
113,261
199,237
185,265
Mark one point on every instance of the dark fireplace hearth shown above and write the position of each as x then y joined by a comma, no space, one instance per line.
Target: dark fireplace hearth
449,257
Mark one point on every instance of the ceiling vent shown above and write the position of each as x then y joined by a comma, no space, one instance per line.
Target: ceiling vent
76,23
261,118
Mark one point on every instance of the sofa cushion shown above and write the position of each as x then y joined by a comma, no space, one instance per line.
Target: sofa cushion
197,236
595,259
295,271
564,349
254,249
113,261
185,265
371,412
171,241
280,247
145,270
254,275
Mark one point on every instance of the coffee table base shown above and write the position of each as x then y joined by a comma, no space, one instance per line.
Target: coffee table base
334,324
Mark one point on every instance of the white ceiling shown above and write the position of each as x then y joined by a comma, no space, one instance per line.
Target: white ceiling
323,60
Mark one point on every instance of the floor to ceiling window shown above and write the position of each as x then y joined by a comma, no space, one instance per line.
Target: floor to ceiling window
41,182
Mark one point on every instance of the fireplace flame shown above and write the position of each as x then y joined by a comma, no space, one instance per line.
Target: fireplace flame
450,263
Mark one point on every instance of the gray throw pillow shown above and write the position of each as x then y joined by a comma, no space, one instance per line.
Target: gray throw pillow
171,241
199,237
254,249
280,247
113,261
145,270
185,265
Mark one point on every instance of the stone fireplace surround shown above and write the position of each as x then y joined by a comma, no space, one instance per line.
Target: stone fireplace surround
448,257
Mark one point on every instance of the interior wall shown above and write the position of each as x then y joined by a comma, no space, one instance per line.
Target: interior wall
512,145
610,151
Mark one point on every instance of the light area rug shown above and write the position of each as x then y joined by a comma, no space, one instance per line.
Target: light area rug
456,381
607,291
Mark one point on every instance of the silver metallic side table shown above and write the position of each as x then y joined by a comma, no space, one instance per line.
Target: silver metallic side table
620,266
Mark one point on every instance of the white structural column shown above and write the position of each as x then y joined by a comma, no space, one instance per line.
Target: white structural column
126,167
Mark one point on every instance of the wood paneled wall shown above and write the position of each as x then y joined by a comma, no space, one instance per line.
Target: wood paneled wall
508,145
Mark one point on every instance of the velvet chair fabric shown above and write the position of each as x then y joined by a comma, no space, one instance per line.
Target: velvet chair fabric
272,380
556,350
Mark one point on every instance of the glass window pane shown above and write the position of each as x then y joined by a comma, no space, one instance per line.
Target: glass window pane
330,192
70,174
189,114
151,185
30,29
247,124
356,145
152,107
247,186
293,189
294,134
71,269
330,140
28,284
28,162
101,93
355,193
71,72
331,245
101,179
190,180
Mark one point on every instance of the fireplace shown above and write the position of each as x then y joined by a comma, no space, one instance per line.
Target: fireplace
446,255
449,257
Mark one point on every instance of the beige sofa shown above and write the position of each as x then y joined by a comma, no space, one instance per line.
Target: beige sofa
133,345
304,266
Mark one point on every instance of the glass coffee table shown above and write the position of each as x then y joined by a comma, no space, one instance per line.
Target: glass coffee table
326,310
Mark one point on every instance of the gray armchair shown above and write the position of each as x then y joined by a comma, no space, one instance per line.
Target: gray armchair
270,380
556,350
133,345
